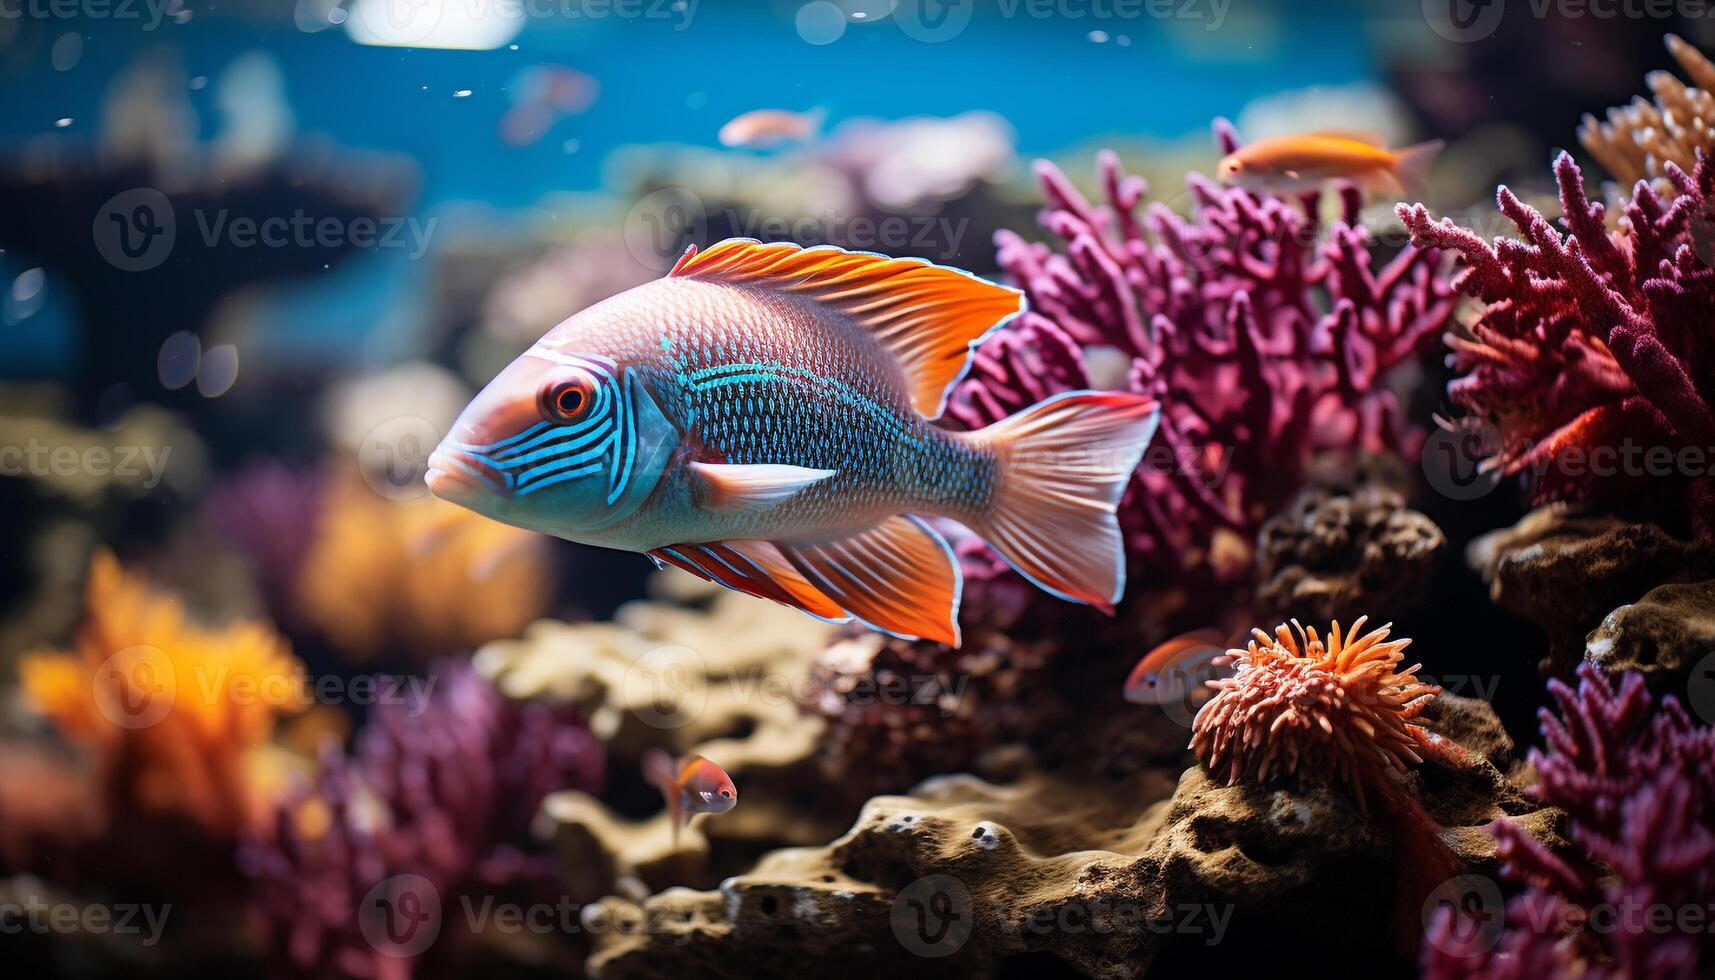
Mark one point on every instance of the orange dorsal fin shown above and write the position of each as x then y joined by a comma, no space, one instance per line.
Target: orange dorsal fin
928,316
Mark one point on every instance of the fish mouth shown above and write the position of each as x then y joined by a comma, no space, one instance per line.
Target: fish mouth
461,478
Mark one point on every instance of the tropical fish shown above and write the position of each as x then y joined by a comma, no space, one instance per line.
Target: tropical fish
1294,164
692,785
768,127
1172,671
760,417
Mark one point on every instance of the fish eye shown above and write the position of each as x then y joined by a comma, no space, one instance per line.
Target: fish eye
726,794
569,400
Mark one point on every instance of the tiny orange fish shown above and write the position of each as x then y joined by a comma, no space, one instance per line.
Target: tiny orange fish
769,127
1295,164
1176,668
692,785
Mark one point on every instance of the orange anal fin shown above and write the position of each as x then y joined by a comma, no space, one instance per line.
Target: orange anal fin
753,567
898,576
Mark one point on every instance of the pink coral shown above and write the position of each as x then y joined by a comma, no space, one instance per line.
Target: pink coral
1265,340
1638,788
1592,342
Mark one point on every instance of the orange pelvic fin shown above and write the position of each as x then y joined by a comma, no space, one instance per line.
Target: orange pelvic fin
728,486
753,567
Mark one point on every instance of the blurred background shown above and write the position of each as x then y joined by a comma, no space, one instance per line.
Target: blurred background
255,255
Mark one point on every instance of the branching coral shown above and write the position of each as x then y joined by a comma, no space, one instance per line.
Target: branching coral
169,711
1266,337
1639,140
1638,788
1265,340
1593,357
443,788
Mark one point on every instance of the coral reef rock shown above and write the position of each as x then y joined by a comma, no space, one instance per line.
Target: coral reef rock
1331,555
1561,570
698,670
1103,873
1662,635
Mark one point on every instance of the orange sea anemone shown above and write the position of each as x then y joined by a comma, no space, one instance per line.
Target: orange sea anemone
421,575
1338,711
169,713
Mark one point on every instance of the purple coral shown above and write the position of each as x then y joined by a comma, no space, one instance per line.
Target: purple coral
443,787
1638,789
1592,342
1265,341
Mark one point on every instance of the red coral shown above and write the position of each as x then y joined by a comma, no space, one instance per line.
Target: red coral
1265,341
1594,346
1639,793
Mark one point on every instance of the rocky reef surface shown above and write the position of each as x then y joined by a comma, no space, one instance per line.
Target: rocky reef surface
1107,869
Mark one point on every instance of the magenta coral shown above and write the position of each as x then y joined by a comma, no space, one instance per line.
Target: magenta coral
1265,340
1638,789
1592,342
443,789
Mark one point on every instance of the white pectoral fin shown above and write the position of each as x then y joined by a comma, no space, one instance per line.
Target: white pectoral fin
756,486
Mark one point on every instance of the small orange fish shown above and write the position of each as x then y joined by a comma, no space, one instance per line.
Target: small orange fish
769,127
1176,668
1295,164
692,785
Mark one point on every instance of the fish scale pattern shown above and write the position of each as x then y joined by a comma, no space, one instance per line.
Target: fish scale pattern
755,377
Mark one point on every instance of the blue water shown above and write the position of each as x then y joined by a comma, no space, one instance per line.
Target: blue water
663,85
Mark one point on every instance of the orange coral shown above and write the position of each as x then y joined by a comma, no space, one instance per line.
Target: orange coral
419,575
1338,711
170,712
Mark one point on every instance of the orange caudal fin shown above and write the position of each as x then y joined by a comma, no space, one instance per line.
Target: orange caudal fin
1064,466
660,770
1411,168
